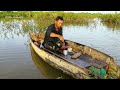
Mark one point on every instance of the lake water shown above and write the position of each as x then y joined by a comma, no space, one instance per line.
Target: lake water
19,61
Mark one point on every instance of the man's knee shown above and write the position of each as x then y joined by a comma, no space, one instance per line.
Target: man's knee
49,46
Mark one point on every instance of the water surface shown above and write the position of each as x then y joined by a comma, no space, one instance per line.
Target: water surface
19,61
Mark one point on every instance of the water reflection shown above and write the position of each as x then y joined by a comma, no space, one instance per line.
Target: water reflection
8,29
112,26
46,70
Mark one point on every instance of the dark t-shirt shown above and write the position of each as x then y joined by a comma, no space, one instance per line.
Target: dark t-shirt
52,29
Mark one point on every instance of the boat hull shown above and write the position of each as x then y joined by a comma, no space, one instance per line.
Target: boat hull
66,67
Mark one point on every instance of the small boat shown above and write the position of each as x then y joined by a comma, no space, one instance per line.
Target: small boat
91,64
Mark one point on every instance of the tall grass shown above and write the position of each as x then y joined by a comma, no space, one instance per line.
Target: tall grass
43,19
111,18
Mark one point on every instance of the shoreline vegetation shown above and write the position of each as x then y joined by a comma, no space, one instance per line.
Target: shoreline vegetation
43,19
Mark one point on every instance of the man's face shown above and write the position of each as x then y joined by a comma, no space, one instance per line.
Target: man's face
59,23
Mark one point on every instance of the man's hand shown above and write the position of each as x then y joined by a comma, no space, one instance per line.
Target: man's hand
61,38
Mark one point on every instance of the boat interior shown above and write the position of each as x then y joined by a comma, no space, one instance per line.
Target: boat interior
82,60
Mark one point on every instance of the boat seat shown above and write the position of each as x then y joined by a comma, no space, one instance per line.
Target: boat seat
94,62
77,61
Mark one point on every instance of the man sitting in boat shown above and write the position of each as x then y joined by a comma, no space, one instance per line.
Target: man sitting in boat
54,39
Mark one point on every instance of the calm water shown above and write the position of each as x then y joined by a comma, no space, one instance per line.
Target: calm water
19,61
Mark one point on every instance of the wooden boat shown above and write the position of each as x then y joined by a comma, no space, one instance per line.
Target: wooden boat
79,68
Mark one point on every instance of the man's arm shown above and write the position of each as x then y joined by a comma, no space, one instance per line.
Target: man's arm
54,35
58,36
